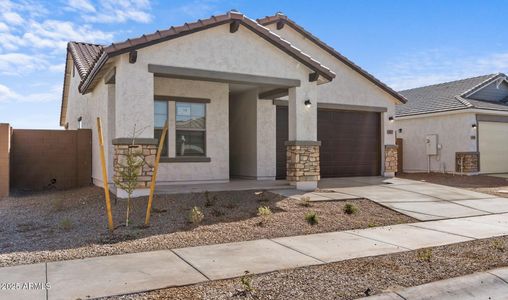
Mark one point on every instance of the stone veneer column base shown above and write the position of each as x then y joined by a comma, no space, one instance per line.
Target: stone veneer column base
390,160
303,164
470,161
148,149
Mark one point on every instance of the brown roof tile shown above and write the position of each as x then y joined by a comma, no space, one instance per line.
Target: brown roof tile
283,19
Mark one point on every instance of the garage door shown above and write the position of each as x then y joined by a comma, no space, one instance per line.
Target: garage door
493,143
350,142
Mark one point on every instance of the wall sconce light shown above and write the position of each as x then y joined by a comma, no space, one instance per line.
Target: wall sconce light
391,119
473,126
400,130
307,103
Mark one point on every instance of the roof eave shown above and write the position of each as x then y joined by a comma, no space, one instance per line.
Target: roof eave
332,51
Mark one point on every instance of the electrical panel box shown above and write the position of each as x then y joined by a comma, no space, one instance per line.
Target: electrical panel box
431,144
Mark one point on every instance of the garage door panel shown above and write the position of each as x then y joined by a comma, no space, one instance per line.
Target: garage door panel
493,146
350,143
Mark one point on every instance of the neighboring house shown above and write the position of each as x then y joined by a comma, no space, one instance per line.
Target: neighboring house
464,121
241,96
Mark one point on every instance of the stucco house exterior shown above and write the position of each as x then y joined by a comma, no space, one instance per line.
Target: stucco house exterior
260,99
456,127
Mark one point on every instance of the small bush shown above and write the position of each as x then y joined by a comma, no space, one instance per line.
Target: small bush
58,204
370,225
498,245
424,255
246,282
350,209
209,201
196,216
264,211
66,224
311,218
305,201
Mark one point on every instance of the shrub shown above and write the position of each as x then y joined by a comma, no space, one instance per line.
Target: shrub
246,282
196,216
498,245
424,254
311,218
66,224
370,225
350,209
58,204
209,201
305,201
264,211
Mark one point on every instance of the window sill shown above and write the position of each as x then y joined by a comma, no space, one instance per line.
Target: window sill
185,159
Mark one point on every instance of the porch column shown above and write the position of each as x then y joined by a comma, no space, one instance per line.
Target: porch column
302,147
133,110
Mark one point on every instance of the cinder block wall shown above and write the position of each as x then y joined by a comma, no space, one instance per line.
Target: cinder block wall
5,145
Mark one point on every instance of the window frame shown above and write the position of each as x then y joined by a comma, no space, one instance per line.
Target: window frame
191,100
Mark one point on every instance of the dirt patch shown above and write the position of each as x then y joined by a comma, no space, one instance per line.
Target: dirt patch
480,183
355,278
72,224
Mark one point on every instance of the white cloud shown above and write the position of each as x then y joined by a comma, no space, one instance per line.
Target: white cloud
3,27
53,93
6,94
114,11
440,65
81,5
57,68
199,8
20,63
12,18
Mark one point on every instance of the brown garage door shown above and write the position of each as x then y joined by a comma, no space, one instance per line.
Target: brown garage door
350,142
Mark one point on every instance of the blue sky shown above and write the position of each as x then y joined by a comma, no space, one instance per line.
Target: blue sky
404,43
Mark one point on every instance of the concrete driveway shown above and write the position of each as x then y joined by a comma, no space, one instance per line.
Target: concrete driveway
420,200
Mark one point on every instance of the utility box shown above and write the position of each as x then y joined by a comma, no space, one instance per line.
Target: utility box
431,144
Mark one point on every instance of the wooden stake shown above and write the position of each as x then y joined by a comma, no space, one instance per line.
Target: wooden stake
105,176
154,175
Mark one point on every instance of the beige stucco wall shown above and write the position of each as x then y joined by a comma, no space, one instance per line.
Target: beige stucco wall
217,131
5,150
349,87
454,134
89,107
243,134
252,136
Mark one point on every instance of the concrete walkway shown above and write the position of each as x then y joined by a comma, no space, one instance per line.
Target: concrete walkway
420,200
130,273
490,285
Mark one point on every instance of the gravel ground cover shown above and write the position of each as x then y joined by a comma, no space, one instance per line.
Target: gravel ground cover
351,279
64,225
481,183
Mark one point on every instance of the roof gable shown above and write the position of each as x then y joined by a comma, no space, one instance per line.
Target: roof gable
453,95
281,20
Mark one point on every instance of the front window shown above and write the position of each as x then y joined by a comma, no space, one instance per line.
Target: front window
160,117
190,129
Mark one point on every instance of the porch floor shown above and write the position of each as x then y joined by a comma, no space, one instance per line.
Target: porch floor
232,185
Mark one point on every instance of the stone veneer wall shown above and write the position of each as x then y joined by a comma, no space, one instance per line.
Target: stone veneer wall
148,148
390,158
302,161
471,161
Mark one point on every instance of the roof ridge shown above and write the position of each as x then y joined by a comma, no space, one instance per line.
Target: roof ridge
451,81
279,16
87,43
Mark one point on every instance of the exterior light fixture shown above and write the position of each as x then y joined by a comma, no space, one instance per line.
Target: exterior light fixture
473,126
390,119
307,103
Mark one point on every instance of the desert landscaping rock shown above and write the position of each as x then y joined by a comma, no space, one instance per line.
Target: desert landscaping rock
36,235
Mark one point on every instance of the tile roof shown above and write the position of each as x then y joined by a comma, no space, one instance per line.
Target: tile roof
447,96
85,56
282,19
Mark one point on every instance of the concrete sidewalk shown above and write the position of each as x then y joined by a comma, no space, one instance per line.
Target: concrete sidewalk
490,285
131,273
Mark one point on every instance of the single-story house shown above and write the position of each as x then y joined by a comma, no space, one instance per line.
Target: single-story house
459,126
260,99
